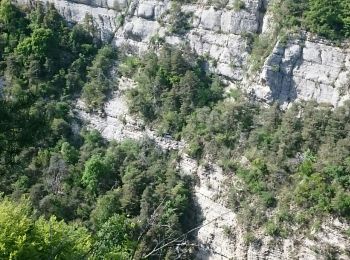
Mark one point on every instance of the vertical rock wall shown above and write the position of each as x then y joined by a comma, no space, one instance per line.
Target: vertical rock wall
305,69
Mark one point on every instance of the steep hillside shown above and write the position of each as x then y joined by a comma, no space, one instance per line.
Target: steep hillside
222,129
223,33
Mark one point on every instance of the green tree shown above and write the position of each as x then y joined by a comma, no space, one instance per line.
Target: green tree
99,78
39,44
115,239
23,237
106,205
15,226
94,169
324,17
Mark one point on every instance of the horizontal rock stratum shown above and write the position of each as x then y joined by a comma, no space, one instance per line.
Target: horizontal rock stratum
303,68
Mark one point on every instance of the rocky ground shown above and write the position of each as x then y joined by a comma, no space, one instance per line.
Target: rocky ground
305,69
302,68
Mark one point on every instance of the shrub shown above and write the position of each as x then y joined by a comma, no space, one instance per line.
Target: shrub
99,76
238,5
178,20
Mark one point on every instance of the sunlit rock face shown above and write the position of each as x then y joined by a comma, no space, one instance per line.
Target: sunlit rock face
306,70
219,235
301,69
216,33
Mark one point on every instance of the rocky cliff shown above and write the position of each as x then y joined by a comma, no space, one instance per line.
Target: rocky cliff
218,33
299,68
304,69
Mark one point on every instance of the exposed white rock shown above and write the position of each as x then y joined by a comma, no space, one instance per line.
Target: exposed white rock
228,50
118,124
146,10
210,191
297,70
110,4
104,18
215,32
213,240
140,29
210,19
305,70
294,71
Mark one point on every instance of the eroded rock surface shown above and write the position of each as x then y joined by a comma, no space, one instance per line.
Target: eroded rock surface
306,70
218,33
214,217
115,123
298,69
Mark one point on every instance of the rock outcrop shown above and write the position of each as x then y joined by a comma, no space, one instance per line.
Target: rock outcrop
304,70
218,33
295,70
115,123
301,69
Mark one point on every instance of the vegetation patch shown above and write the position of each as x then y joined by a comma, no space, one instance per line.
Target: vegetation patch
329,19
69,195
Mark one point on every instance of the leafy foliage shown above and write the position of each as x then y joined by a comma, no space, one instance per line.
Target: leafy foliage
297,157
329,19
86,197
24,237
99,82
171,87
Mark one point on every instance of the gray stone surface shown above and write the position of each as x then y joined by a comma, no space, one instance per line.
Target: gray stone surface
305,70
146,10
300,69
216,33
297,71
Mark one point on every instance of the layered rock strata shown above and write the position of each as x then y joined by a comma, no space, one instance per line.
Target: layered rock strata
305,70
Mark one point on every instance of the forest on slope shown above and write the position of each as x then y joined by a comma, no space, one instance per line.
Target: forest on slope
329,19
70,194
299,157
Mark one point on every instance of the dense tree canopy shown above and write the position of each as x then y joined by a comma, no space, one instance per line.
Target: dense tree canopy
327,18
170,87
298,157
24,237
70,194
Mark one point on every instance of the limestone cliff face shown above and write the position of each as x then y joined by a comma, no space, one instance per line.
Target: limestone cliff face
218,33
304,69
300,69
